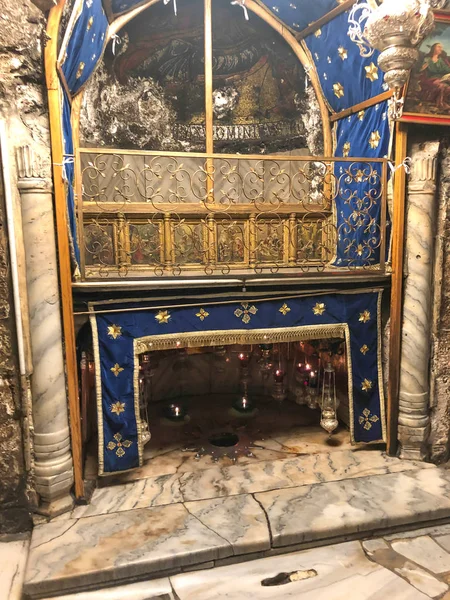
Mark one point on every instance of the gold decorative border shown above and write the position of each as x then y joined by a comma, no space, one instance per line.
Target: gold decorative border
379,367
98,391
227,337
137,412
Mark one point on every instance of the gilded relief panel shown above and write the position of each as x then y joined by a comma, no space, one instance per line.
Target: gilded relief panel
189,242
145,244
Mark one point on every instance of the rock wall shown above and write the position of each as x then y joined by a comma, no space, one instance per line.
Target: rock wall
23,107
440,364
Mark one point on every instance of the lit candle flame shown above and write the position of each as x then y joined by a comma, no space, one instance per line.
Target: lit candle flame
308,367
177,411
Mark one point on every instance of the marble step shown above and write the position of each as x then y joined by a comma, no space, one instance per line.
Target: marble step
76,555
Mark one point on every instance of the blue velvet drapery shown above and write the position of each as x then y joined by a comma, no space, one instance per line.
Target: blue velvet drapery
79,56
115,335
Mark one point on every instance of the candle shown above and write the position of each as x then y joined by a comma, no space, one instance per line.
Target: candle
173,412
308,367
243,405
244,359
299,367
279,376
313,380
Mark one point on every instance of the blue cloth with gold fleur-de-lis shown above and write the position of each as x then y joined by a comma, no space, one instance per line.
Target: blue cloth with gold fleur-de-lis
115,335
80,53
359,187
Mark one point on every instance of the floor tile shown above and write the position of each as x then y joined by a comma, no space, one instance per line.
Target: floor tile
343,573
425,552
13,557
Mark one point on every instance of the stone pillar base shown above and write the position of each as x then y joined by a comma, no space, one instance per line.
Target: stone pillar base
413,442
56,507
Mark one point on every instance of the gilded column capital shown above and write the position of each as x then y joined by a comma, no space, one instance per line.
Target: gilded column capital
31,171
423,174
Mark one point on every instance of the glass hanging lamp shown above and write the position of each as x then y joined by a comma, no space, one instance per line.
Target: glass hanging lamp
328,419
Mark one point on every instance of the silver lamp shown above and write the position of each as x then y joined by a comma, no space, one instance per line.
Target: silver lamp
395,28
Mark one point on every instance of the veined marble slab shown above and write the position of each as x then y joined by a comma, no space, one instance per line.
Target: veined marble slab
158,589
65,556
222,481
238,519
343,573
143,493
316,512
296,471
13,557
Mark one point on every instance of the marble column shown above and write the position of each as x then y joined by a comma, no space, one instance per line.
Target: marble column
53,458
421,210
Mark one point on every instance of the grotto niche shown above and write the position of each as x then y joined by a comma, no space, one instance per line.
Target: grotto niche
149,91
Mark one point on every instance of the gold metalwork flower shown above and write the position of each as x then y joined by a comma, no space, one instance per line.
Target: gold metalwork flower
343,52
80,70
118,407
90,23
116,369
284,309
359,177
318,33
366,385
364,349
372,72
367,419
202,314
245,312
114,331
163,316
338,90
346,149
361,115
374,140
364,316
119,445
319,308
360,250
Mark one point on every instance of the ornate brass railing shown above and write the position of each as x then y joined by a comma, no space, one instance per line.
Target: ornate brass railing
144,214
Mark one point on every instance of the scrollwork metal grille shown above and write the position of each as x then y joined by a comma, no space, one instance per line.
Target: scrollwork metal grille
157,214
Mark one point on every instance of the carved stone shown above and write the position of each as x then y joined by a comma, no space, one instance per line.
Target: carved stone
414,422
53,459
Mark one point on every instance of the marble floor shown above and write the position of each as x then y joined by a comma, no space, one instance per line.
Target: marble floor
408,565
275,433
178,514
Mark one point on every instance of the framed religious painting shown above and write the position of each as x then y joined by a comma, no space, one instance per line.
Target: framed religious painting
427,96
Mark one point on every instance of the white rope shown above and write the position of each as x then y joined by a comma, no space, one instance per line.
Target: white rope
174,5
406,164
241,3
116,41
66,161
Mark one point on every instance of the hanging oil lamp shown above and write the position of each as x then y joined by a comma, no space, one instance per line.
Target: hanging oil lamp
300,383
328,419
278,391
175,412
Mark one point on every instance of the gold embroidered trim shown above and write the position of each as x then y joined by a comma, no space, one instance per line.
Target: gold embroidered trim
380,372
98,392
240,336
139,424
